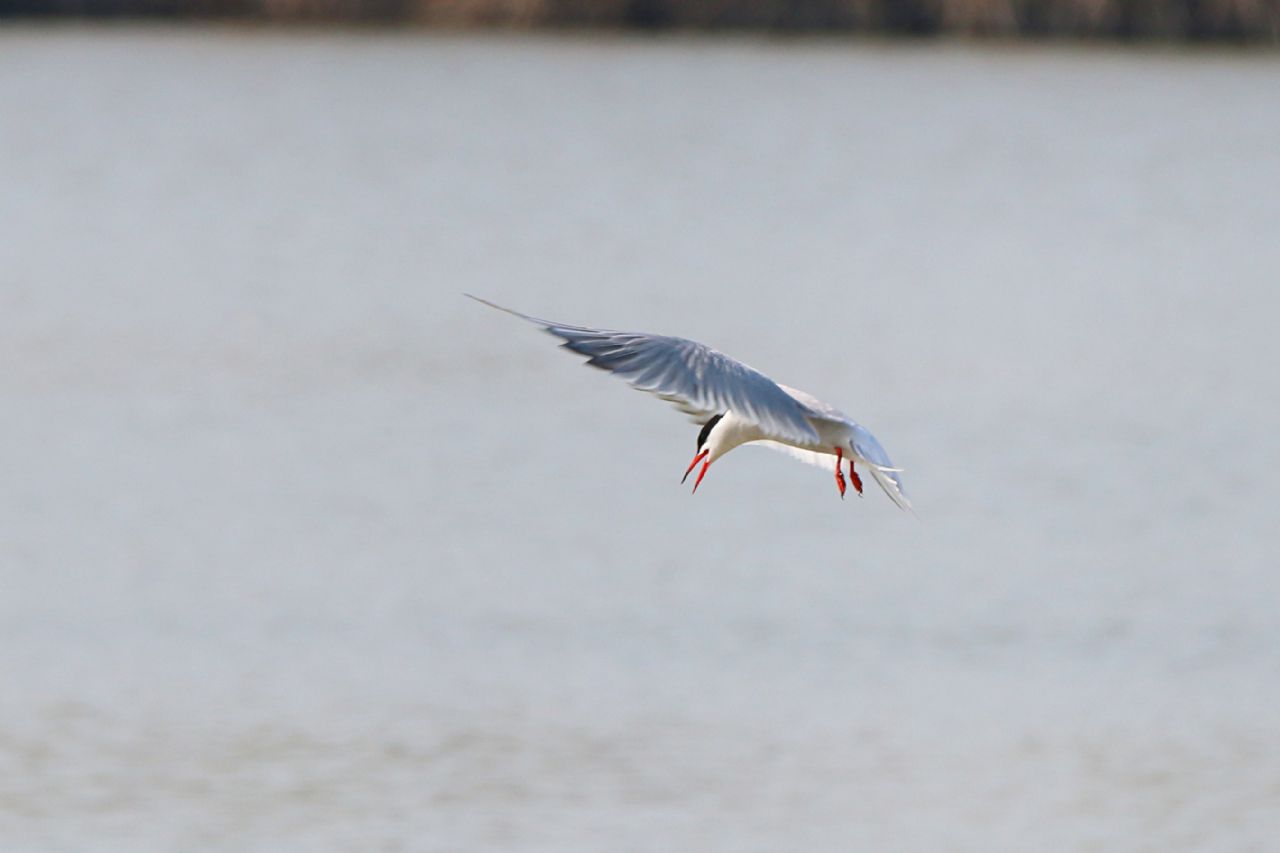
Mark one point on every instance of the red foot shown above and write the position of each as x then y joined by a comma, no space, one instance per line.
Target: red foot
857,481
840,474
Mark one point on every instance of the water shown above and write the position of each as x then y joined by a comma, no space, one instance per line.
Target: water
299,549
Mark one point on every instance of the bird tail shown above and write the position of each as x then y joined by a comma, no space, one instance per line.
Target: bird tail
865,450
869,451
892,485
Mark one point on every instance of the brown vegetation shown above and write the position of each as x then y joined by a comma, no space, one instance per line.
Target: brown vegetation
1169,19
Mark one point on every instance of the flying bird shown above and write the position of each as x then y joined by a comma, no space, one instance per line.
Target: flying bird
734,403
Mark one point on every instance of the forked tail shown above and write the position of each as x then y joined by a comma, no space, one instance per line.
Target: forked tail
881,466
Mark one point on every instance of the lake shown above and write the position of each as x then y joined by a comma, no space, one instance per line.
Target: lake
302,550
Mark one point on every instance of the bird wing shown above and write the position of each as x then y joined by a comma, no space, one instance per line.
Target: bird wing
698,380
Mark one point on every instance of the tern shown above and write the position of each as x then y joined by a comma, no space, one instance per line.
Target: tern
734,403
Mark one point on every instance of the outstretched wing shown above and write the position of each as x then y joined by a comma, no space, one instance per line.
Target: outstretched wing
698,380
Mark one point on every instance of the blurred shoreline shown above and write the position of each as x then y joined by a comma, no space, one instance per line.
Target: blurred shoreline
808,41
1221,21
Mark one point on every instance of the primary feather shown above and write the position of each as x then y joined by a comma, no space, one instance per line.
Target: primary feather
697,379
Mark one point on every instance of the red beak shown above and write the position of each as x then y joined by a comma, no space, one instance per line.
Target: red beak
701,474
695,461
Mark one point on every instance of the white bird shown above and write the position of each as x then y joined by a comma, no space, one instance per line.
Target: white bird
734,403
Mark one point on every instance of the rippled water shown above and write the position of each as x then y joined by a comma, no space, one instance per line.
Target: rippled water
301,550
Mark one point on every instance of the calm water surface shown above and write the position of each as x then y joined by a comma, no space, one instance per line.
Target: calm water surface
300,550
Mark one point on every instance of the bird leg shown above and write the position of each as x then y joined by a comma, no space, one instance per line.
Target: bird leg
857,481
840,474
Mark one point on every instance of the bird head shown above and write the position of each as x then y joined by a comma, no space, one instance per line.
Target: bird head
704,454
706,431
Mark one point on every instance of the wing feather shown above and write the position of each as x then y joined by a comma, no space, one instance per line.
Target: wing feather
698,380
